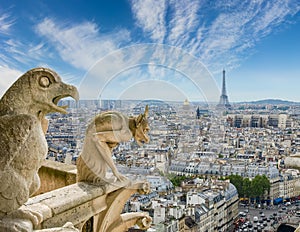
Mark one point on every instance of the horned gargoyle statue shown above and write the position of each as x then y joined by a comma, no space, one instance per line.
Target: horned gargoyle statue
103,134
22,139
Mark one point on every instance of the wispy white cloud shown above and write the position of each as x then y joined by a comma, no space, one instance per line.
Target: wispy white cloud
220,33
273,14
185,20
151,17
23,52
6,23
81,45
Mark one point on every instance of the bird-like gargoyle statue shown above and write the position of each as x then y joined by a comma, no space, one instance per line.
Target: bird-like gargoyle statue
23,146
103,134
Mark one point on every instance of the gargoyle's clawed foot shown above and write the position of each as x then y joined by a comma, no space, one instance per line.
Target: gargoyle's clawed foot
121,177
35,217
123,180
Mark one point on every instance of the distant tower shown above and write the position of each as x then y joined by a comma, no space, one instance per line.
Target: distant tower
224,103
198,113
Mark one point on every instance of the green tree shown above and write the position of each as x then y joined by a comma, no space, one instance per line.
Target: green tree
256,187
176,180
265,184
260,186
247,187
237,181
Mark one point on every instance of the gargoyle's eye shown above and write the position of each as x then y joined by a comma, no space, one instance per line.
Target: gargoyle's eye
44,82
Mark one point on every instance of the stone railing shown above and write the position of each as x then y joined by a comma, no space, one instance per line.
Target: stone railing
54,175
81,202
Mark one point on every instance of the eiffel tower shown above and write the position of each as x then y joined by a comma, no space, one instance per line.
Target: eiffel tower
224,103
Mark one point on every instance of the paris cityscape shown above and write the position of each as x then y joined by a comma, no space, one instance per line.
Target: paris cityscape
206,96
218,167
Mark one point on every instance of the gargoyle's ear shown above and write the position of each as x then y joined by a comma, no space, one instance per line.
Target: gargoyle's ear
146,111
138,120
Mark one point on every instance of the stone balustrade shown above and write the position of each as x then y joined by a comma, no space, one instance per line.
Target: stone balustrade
78,203
54,175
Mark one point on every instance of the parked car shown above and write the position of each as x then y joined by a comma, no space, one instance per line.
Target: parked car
265,224
242,214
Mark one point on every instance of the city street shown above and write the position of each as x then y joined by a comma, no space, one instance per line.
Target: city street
267,219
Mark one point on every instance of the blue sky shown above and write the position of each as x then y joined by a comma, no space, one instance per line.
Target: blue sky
166,50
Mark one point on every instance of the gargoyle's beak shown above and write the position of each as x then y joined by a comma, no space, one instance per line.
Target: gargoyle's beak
64,91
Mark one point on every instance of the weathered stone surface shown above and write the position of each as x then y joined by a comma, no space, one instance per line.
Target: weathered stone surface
79,202
42,209
111,218
55,175
63,199
68,227
74,203
14,225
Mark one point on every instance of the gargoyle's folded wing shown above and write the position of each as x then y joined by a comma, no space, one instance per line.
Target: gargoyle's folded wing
14,132
16,139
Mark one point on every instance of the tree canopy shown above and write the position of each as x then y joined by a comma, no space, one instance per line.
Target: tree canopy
257,187
176,180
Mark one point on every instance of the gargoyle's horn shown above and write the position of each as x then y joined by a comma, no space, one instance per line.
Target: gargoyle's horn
146,111
140,118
